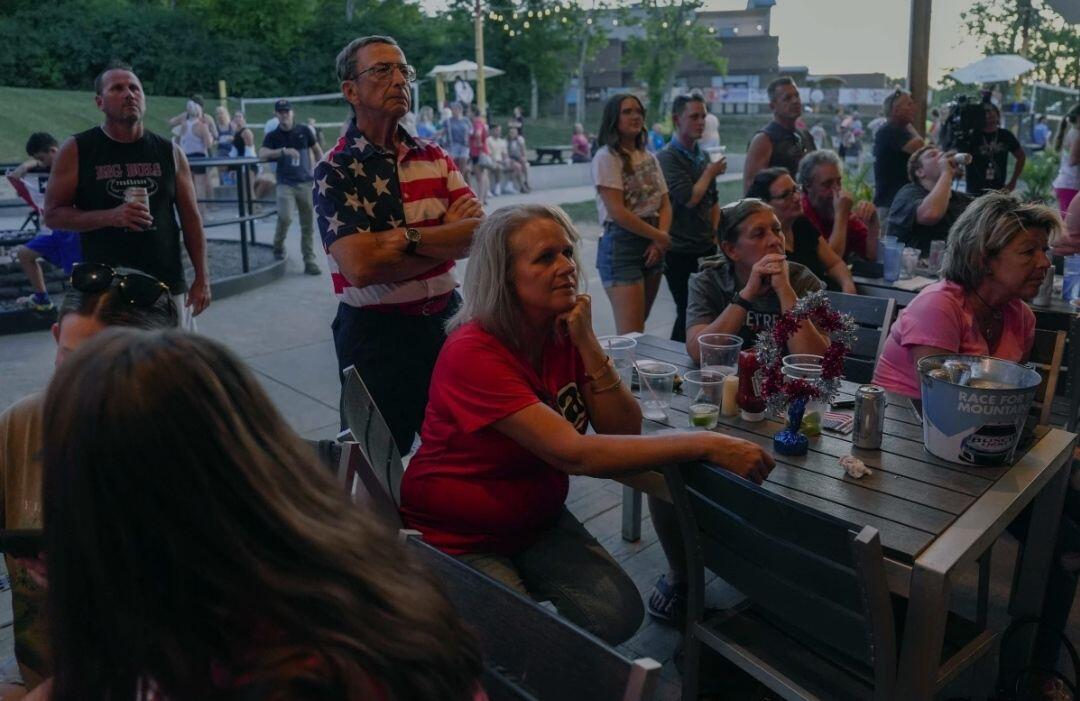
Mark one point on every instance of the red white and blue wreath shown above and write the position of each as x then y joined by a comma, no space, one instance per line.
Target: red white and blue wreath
779,390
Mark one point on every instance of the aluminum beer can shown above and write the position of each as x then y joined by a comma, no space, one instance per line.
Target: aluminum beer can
869,417
962,159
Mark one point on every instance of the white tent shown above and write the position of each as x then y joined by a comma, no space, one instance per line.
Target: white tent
462,69
993,69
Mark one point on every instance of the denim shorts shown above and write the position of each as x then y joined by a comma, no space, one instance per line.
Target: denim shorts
620,257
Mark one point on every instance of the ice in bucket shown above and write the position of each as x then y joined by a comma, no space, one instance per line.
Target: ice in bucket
974,407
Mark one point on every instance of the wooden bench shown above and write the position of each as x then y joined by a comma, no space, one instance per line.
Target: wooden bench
554,154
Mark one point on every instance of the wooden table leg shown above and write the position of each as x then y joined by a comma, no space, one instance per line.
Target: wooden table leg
924,635
631,514
1033,570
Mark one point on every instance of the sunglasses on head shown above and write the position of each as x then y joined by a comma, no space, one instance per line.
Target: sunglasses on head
135,288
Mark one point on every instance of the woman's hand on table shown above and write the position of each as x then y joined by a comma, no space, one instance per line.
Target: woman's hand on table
743,458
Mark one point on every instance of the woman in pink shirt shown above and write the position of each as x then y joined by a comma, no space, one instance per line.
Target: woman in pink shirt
995,257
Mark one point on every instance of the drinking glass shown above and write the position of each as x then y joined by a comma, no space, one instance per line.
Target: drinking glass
657,380
621,351
720,352
704,389
893,253
909,260
937,252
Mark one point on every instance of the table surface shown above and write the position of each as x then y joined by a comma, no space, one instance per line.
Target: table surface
912,497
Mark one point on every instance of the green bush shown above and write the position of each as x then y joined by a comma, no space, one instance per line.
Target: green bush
1038,176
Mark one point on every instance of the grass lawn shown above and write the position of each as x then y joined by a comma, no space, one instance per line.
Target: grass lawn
585,212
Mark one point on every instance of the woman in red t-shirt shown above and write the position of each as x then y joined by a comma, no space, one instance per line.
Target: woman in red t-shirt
518,382
197,551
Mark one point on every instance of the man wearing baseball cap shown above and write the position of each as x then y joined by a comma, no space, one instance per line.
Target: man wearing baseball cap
295,149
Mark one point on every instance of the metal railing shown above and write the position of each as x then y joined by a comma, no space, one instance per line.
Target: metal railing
246,216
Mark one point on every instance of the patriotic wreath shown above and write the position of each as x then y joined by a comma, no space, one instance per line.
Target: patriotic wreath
779,390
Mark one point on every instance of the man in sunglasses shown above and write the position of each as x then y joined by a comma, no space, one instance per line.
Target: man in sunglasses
295,148
394,213
98,298
122,186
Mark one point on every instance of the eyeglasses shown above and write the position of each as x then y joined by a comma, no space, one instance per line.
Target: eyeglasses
793,192
135,288
383,71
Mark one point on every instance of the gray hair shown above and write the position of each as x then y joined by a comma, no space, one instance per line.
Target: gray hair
814,159
488,290
985,228
346,58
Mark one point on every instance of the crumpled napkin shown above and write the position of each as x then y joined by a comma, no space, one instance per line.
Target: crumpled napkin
854,467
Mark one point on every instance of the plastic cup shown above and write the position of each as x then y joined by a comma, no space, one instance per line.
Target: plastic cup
937,252
720,352
657,381
621,351
705,390
909,260
893,254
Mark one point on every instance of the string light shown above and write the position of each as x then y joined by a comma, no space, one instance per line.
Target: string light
526,24
506,27
530,13
663,25
511,32
614,23
687,23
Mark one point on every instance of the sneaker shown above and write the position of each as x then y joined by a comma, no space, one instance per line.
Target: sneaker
279,254
666,601
311,269
31,302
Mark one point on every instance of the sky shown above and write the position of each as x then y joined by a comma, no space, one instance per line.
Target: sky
856,36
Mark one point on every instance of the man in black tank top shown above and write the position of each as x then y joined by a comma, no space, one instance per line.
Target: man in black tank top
96,184
780,143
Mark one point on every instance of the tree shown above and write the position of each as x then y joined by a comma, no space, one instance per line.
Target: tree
671,33
1032,29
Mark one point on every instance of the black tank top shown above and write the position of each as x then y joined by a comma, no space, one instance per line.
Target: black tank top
788,147
106,169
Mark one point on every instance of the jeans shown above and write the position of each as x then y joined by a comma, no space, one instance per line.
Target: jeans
678,267
569,568
300,194
620,256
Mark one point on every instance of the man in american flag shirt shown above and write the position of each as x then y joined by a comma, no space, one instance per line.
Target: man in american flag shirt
394,213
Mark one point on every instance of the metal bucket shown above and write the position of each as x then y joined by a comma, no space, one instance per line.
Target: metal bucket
974,407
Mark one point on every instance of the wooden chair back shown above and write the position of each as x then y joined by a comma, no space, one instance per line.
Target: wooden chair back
530,652
1073,391
369,429
346,461
1047,354
874,316
808,571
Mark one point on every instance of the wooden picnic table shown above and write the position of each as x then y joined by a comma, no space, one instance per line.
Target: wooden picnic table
934,516
553,153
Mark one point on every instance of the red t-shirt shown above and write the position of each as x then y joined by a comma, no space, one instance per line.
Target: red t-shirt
470,488
478,138
857,232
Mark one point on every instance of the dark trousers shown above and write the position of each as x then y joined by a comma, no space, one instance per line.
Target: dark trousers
678,267
394,354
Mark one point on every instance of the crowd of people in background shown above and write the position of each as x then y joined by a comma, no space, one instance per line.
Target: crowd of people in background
239,568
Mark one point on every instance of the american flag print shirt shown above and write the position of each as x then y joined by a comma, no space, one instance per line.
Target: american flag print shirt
359,188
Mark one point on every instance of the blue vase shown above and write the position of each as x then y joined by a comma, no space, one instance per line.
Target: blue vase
791,441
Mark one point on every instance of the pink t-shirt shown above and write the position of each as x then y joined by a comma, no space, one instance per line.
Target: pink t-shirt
940,316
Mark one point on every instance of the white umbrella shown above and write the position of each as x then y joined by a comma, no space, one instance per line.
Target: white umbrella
1069,9
993,69
462,69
